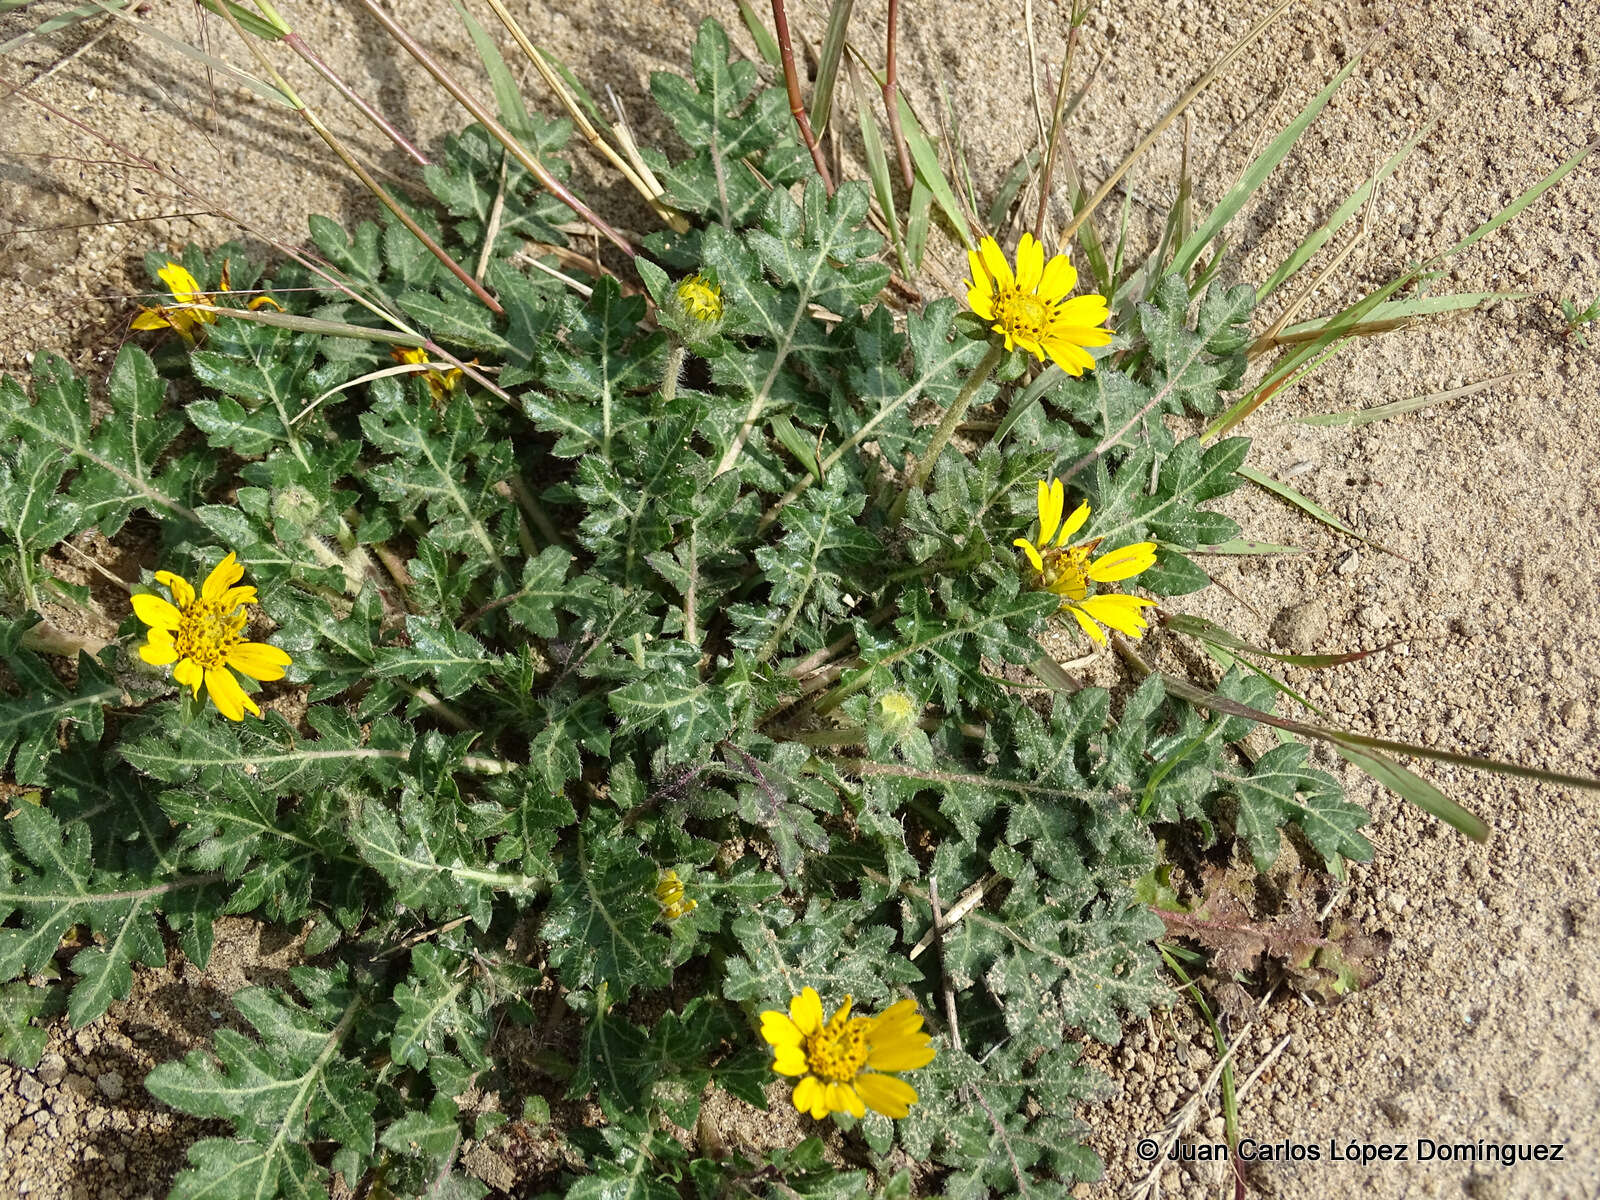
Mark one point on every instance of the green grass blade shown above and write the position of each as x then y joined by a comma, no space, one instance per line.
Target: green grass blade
1094,253
960,167
926,160
877,159
1122,245
283,320
828,64
796,443
179,46
1010,186
1392,313
579,93
73,16
1310,507
1048,378
918,222
1352,205
1365,416
1338,327
1521,202
1241,547
1215,635
1372,751
507,96
248,21
766,44
1256,173
1412,787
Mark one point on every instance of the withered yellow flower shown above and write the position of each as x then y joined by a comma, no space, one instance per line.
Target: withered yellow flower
670,895
185,289
442,383
1069,570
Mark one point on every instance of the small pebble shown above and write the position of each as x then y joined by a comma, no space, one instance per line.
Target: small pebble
52,1069
111,1085
1303,628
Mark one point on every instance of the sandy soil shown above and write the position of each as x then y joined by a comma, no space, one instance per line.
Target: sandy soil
1484,1023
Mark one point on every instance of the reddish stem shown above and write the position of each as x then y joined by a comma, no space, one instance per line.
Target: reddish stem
496,130
891,99
791,80
298,44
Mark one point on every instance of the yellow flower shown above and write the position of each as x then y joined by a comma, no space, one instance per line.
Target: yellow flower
1031,308
202,635
701,299
669,894
843,1061
1068,570
441,383
185,289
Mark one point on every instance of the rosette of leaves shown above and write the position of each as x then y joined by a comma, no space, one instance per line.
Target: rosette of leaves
551,642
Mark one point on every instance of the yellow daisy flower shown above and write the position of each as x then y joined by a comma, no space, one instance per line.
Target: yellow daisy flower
1068,570
1031,307
185,289
202,635
701,299
441,383
842,1062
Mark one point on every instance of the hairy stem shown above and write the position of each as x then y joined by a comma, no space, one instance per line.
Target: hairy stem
673,372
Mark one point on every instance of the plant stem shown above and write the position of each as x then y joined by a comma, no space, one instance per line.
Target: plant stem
947,428
673,372
1055,133
499,132
791,80
891,98
298,44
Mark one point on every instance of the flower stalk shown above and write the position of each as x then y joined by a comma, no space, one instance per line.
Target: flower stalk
947,428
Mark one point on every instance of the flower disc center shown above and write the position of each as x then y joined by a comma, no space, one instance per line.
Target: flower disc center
207,632
839,1049
1022,314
